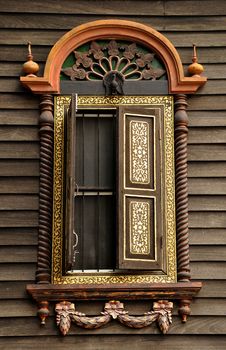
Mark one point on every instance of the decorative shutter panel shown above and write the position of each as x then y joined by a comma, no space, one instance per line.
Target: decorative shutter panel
70,179
140,193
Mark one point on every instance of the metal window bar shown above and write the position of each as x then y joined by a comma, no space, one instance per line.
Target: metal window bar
83,191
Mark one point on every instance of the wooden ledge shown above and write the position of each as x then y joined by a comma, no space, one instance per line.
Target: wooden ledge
54,292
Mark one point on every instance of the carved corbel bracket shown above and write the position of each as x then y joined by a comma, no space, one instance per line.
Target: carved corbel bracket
114,309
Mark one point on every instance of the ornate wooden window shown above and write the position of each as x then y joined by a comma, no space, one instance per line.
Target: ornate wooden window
124,74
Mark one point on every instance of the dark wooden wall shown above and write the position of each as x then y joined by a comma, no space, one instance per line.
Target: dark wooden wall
43,23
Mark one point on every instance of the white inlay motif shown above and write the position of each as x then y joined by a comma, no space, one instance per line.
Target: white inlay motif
139,227
139,152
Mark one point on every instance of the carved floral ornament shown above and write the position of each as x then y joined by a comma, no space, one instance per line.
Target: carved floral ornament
125,59
113,62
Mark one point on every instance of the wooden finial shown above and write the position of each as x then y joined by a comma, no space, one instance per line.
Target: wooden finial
30,67
195,68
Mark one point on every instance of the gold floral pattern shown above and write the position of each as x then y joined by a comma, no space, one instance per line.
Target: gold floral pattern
61,104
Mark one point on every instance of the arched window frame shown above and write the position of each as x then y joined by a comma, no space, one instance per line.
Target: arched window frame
49,85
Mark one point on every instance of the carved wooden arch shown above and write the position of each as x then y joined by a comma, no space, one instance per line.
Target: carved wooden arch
117,29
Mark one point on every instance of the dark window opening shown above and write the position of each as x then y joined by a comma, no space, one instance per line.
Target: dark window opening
93,240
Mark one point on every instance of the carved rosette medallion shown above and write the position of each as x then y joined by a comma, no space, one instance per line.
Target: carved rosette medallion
139,152
114,309
139,228
98,60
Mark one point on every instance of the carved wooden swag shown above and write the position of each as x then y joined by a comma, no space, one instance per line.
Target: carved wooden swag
66,313
113,62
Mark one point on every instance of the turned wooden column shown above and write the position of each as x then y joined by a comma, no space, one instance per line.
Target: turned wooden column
181,135
43,273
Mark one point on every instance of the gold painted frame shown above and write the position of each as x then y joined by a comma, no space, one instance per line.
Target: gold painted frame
89,102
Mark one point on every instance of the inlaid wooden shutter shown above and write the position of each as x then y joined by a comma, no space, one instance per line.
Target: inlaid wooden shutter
140,192
70,132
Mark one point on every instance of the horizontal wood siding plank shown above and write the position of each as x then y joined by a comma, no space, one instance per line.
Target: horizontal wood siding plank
207,236
206,7
160,23
19,133
206,118
206,152
19,117
18,218
212,135
19,326
50,37
207,186
18,236
10,167
138,342
19,150
13,290
207,219
22,254
208,253
204,270
208,203
17,272
19,185
19,202
206,169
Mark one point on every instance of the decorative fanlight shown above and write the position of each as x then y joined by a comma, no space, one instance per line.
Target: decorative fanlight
113,63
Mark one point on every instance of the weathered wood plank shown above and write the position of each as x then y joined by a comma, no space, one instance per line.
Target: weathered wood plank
197,325
206,103
214,87
204,270
213,289
20,254
19,133
19,117
209,135
206,118
214,71
19,101
17,272
10,167
19,202
207,219
18,218
206,7
50,37
202,203
206,55
207,236
206,152
18,236
206,169
19,185
11,85
160,23
13,290
207,186
19,150
208,253
138,342
101,7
